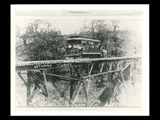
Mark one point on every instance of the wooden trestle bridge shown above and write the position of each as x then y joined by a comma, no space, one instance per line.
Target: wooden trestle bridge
79,73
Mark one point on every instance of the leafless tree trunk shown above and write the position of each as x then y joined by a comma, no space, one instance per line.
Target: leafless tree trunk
115,25
92,27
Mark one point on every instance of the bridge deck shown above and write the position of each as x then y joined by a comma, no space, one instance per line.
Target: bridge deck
48,64
74,60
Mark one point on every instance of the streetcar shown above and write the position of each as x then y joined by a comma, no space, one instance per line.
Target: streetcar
82,47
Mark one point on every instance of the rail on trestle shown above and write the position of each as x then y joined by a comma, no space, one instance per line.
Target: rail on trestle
79,74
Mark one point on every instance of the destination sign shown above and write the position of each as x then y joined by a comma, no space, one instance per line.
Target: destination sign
41,66
34,67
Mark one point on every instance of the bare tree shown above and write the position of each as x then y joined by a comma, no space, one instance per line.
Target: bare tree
119,37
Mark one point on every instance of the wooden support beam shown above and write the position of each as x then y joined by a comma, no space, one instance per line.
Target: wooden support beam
93,103
71,87
118,62
55,86
115,64
118,78
88,68
28,88
125,67
29,65
86,94
34,91
75,71
91,69
107,65
88,80
88,85
96,99
111,76
101,68
63,77
19,74
71,72
44,75
110,66
37,84
61,93
77,92
23,73
120,90
41,81
100,74
71,91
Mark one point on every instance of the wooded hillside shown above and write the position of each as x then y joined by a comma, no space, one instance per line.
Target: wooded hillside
40,41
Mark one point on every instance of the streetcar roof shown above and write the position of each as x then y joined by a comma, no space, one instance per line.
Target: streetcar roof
83,39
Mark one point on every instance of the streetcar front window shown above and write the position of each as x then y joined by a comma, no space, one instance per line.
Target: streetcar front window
73,47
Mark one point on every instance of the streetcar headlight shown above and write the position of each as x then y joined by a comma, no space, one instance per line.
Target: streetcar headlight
67,58
80,48
69,46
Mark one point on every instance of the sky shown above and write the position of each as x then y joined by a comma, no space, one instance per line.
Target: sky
69,26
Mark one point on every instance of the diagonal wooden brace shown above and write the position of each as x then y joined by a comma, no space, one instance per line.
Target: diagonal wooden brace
28,88
77,92
34,91
44,75
59,91
19,74
86,94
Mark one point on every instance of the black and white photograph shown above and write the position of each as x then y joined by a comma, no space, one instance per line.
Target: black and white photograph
75,59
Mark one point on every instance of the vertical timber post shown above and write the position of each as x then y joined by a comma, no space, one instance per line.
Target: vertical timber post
28,88
115,65
110,66
118,63
77,92
44,75
71,91
89,79
86,93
